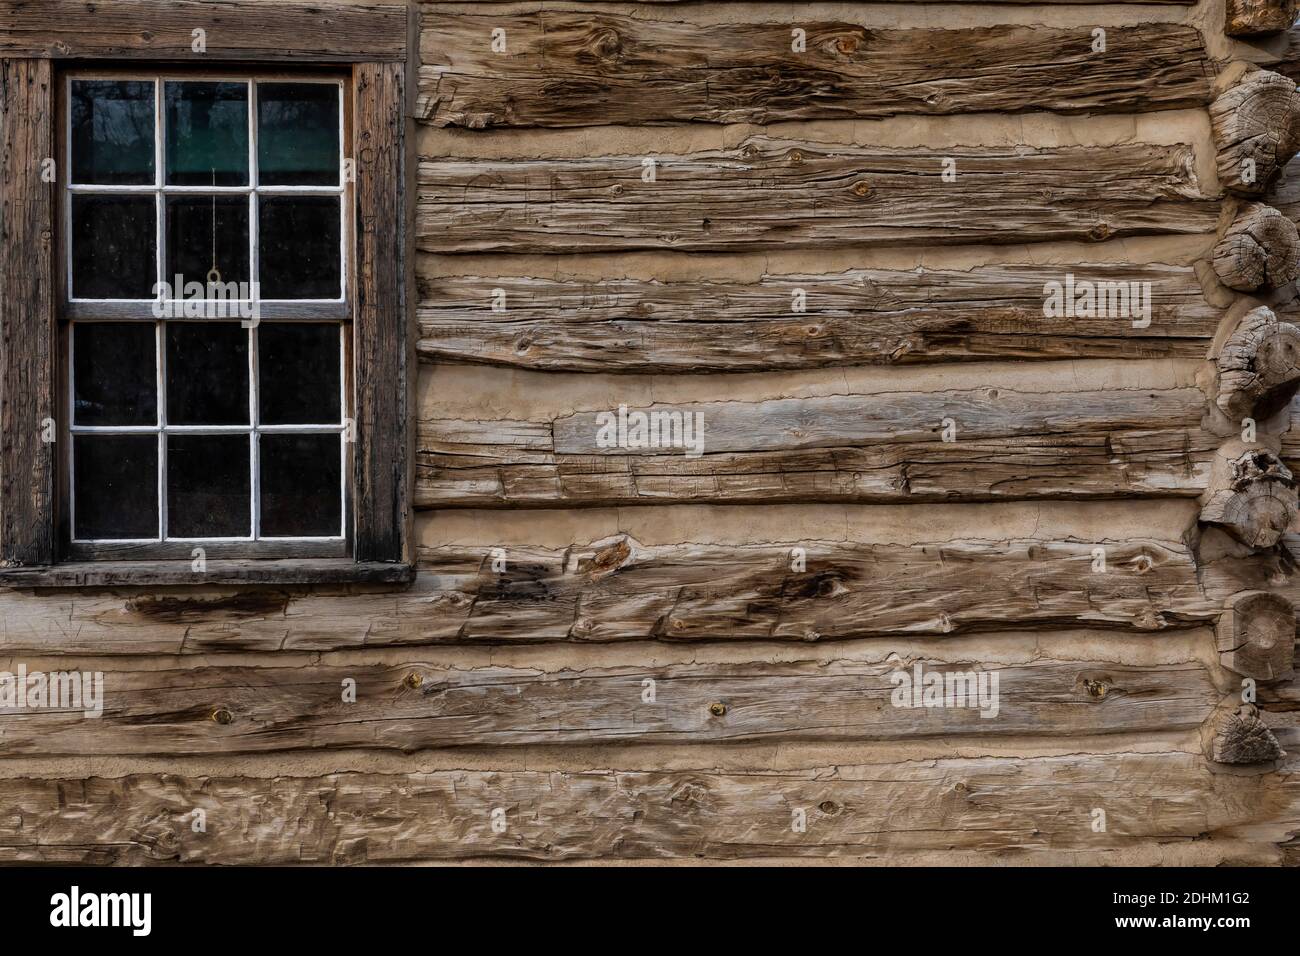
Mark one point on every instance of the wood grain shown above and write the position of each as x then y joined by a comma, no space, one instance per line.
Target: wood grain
414,706
1017,808
381,341
234,30
583,69
28,413
855,317
887,447
778,193
620,590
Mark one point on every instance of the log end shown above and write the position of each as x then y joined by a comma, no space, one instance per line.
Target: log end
1237,735
1261,249
1256,635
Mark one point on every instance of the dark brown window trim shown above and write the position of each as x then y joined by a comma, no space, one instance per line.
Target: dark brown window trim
30,548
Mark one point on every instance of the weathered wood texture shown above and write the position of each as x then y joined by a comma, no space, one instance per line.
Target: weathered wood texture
857,317
767,193
233,30
1256,635
28,422
409,707
1260,249
585,69
620,590
883,447
1248,18
381,340
1013,807
1256,129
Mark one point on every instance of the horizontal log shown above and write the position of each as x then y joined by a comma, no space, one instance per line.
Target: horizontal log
1022,808
769,192
583,69
856,317
972,445
415,706
620,590
233,30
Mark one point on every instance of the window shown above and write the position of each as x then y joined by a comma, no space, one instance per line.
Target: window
195,426
205,224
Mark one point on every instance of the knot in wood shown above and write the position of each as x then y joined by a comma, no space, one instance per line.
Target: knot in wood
607,45
413,680
862,188
718,709
223,716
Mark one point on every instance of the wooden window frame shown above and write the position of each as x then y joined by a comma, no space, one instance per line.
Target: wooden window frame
37,44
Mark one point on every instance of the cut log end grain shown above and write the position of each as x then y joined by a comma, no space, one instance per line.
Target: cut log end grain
1235,734
1253,498
1259,366
1256,131
1260,249
1248,18
1256,635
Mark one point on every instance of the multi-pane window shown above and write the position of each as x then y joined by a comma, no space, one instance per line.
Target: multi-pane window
206,288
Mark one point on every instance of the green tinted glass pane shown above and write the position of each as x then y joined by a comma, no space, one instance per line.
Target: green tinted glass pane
298,134
112,132
207,134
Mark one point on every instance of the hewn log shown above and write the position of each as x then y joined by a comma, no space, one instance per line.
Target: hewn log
888,447
413,706
779,193
1248,18
233,30
620,590
1029,808
1252,496
861,316
1256,131
1235,734
1258,367
588,69
1256,635
1260,249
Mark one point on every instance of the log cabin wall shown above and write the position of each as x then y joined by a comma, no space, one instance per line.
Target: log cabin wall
828,230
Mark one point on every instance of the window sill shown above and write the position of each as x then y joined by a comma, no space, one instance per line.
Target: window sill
101,574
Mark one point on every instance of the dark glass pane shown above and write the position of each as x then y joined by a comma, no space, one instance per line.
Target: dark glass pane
207,373
298,134
112,132
298,373
193,246
207,486
114,247
298,240
114,373
301,489
207,134
115,486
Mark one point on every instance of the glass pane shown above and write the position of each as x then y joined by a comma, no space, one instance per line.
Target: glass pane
207,134
207,486
196,244
112,132
114,247
301,490
207,373
298,241
298,373
114,373
298,134
115,486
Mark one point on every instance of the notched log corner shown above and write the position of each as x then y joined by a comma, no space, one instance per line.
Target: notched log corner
1249,18
1256,125
1235,734
1256,635
1261,249
1252,496
1258,367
